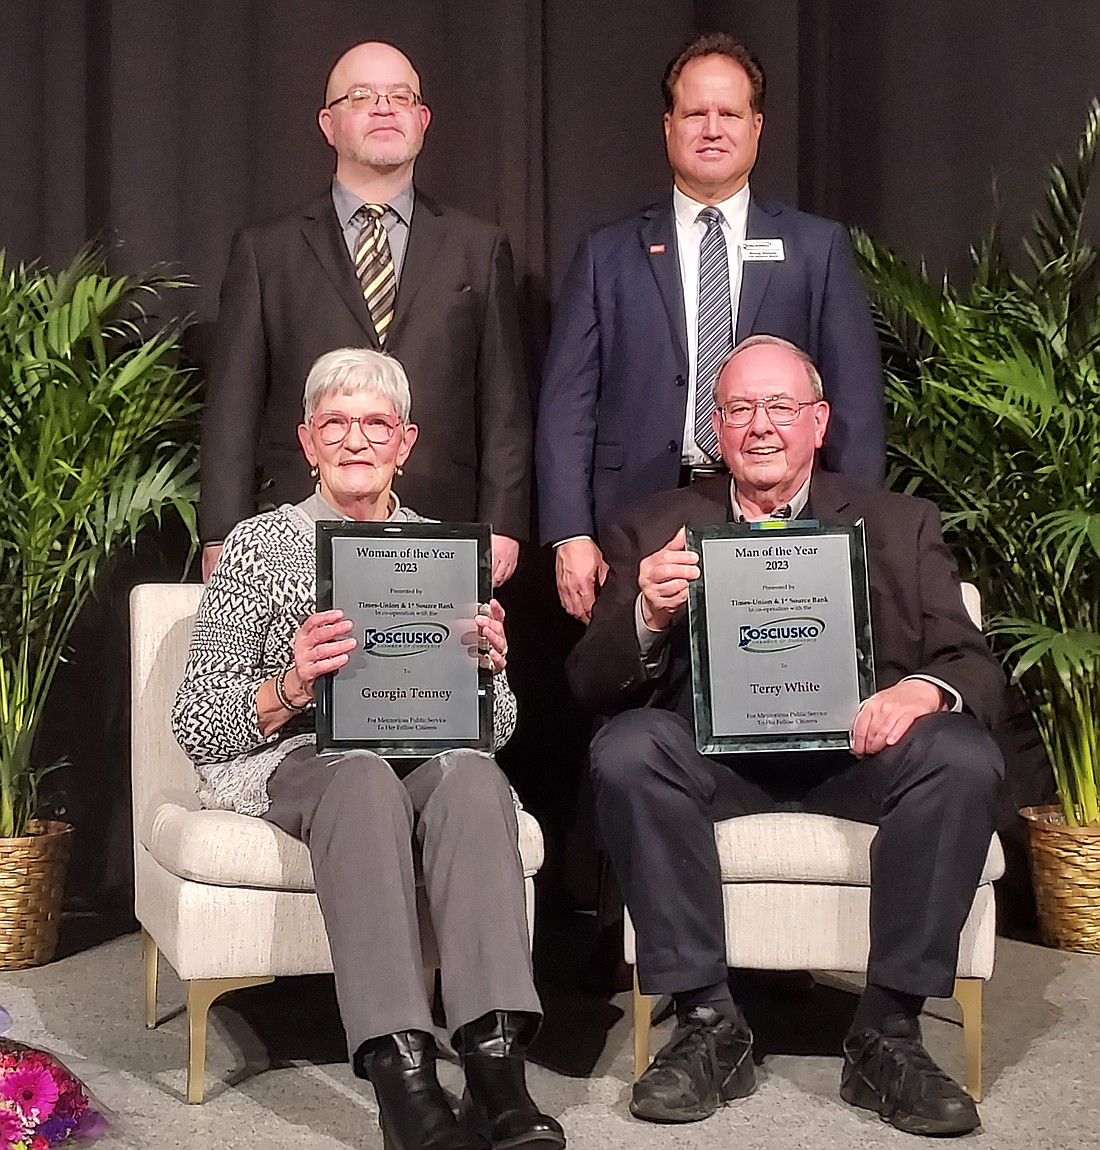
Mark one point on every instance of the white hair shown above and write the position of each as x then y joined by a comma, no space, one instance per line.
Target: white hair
817,391
350,370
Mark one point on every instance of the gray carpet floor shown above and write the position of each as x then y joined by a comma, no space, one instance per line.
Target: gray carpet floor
276,1075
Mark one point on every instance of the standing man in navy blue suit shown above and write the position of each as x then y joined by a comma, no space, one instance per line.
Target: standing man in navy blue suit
650,302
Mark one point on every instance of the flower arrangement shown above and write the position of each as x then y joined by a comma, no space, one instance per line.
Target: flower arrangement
41,1103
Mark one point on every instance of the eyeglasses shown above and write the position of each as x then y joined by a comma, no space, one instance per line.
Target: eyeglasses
360,99
778,408
333,427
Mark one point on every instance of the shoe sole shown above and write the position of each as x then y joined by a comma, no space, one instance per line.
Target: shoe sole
535,1140
907,1123
740,1087
669,1117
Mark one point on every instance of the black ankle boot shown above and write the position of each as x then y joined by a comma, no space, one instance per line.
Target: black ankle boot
413,1110
492,1050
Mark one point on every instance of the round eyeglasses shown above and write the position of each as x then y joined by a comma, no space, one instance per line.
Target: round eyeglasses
778,408
360,99
333,427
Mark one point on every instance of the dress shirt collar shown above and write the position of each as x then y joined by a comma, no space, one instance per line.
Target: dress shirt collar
797,504
735,211
347,203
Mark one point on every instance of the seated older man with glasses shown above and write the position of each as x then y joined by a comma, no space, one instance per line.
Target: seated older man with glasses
244,715
921,762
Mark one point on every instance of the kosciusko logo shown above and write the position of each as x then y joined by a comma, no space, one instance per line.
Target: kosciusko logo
404,639
781,634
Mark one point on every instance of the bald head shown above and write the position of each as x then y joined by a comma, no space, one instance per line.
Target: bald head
373,63
376,138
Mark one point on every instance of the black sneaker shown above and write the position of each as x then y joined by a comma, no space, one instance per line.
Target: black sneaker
895,1076
707,1062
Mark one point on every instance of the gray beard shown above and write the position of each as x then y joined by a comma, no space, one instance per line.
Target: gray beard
384,162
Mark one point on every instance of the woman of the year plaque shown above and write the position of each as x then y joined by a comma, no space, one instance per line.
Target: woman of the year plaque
413,685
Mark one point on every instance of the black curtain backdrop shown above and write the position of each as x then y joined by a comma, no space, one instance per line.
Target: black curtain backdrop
162,126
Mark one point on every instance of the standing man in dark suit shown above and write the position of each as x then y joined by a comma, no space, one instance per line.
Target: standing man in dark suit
922,764
651,305
372,263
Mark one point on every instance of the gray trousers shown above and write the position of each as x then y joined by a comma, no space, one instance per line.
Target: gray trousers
369,833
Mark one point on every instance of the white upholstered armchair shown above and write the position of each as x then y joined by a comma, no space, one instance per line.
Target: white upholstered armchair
228,899
796,895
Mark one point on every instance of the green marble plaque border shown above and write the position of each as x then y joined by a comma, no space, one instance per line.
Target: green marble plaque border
420,747
706,740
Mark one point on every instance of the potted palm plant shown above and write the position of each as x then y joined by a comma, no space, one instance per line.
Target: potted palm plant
94,445
993,394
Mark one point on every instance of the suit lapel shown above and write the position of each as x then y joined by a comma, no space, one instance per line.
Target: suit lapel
658,239
755,274
426,234
828,497
714,505
321,231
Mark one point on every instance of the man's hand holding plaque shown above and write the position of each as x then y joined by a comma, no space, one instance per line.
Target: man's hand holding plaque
663,580
887,715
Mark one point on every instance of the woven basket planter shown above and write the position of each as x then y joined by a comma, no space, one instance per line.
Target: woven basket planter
1065,869
32,881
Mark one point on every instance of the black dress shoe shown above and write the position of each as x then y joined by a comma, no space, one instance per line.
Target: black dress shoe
707,1062
895,1076
492,1049
413,1110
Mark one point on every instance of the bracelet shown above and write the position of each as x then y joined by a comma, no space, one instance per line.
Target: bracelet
280,693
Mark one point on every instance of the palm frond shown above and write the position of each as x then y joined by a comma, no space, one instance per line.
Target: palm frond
96,441
993,398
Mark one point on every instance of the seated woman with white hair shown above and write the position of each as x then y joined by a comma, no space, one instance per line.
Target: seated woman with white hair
244,715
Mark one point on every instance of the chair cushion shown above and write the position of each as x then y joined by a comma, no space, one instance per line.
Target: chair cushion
228,849
795,847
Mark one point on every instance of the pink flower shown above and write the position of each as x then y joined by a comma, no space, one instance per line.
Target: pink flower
11,1129
33,1091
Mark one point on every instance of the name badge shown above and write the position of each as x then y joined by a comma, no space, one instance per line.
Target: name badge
762,251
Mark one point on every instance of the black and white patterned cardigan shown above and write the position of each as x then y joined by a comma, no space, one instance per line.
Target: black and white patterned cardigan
259,593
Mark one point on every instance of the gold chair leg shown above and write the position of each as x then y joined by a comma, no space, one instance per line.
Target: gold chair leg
429,985
201,993
643,1017
149,953
968,994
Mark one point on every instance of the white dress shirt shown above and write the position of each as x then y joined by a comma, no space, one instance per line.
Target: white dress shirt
689,237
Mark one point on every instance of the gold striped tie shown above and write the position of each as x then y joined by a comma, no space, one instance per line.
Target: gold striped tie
374,266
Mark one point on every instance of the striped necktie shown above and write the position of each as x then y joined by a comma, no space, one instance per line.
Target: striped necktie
374,266
715,325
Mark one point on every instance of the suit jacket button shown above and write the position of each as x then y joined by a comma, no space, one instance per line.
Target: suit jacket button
673,445
680,381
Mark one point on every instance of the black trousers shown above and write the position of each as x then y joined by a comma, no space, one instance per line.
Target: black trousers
932,797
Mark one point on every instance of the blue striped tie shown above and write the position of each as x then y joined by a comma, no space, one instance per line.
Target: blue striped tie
715,325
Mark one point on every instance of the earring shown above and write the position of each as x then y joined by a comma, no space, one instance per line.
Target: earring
400,471
313,473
